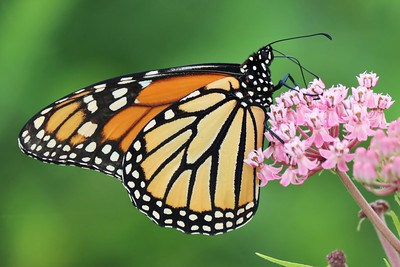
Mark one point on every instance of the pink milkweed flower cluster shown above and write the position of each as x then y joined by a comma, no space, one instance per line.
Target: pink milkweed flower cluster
316,128
378,166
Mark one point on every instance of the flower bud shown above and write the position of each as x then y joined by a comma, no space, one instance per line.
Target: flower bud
336,258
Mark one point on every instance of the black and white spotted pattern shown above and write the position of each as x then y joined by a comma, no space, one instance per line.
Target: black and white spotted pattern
90,110
257,76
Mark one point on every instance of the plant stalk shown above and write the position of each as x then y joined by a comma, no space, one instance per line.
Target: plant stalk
391,253
369,212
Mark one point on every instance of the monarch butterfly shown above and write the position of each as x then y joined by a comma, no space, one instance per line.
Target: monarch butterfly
175,137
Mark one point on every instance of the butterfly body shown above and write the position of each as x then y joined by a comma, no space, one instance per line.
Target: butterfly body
175,137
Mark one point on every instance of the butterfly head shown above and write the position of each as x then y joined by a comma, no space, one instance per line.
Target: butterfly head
257,74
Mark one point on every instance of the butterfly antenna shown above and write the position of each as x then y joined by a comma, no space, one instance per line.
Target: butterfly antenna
302,69
302,36
297,62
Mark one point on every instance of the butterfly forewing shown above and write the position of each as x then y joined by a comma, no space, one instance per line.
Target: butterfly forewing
94,126
176,137
185,169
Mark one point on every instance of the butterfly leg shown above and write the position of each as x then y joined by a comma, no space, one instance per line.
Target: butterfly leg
268,128
284,82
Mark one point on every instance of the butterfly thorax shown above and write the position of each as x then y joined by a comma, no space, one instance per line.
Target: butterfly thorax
256,77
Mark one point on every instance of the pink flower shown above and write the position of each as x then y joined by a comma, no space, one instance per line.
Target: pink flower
383,101
360,153
365,164
290,98
363,155
364,171
315,128
368,80
358,126
255,158
316,87
277,115
372,157
377,119
301,112
287,131
378,167
396,166
387,172
296,149
320,134
275,150
268,173
337,155
330,100
376,116
335,95
394,128
265,172
362,95
296,99
283,99
385,145
291,176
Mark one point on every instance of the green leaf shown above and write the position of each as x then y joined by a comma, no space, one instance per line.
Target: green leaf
386,262
359,224
397,198
281,262
395,221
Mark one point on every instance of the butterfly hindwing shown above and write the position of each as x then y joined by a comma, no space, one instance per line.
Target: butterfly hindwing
94,126
185,168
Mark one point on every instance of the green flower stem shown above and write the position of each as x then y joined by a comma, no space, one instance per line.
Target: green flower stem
369,212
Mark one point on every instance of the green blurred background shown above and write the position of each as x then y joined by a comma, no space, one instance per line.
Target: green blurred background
66,216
